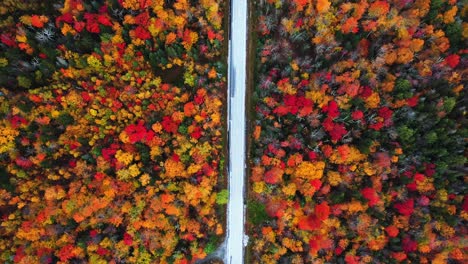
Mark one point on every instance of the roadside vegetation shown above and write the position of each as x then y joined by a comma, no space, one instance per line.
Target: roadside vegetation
112,131
358,132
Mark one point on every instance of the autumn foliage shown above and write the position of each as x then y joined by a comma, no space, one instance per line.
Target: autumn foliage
111,131
358,145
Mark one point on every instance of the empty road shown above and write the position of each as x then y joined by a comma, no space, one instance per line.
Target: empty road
236,116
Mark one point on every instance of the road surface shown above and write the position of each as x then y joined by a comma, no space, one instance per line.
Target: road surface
236,127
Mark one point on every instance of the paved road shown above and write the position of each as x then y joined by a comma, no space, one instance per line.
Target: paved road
236,126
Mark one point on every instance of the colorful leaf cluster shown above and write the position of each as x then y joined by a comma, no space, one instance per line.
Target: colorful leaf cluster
111,131
358,145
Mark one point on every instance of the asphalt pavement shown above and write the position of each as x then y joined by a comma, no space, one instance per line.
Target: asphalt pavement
237,144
